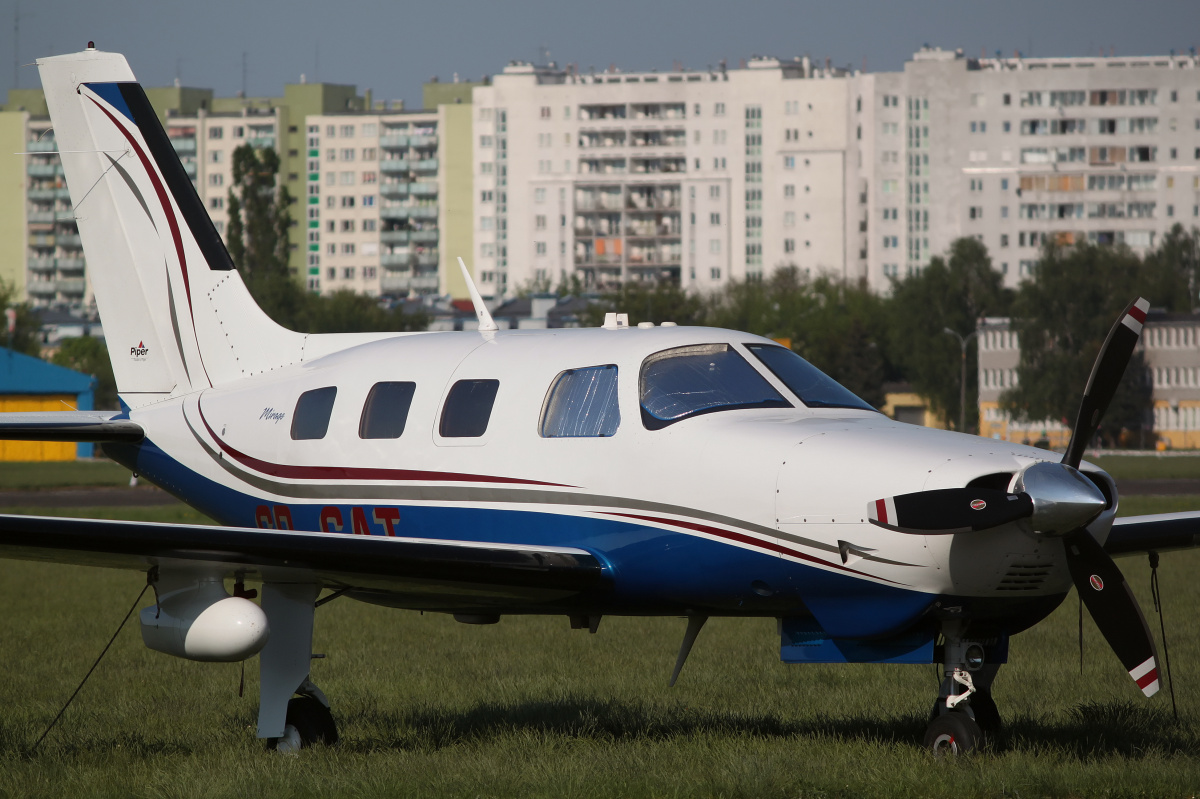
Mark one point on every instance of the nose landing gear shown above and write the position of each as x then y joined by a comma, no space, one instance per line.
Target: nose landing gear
964,710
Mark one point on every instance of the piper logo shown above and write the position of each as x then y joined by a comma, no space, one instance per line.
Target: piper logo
139,352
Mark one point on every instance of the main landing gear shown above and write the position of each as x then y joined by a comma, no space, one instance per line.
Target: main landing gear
964,710
293,713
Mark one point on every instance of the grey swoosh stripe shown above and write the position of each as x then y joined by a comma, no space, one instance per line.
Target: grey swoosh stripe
477,494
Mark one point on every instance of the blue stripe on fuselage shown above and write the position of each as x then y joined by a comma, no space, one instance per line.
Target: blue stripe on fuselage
654,570
111,94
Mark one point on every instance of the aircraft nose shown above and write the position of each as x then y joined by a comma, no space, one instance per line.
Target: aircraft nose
1063,499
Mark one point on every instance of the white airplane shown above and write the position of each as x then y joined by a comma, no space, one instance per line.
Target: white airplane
678,471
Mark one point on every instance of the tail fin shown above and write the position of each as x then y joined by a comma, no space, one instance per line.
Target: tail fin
177,316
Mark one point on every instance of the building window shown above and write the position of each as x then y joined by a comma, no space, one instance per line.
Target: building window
216,180
789,190
539,221
714,246
789,245
789,162
216,133
539,247
714,219
348,272
715,273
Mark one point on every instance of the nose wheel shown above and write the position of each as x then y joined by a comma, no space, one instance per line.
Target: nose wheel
964,710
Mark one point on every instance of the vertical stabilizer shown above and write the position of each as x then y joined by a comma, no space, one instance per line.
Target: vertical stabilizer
177,316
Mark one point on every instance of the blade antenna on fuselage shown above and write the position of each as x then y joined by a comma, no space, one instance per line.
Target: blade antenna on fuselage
486,322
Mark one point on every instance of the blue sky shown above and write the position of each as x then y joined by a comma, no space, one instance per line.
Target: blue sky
393,47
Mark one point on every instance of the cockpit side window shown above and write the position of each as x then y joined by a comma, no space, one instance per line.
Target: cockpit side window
582,403
386,410
814,388
313,409
468,408
679,383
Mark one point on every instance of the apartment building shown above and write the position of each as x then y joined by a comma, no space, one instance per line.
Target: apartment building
41,253
699,177
1020,151
1170,345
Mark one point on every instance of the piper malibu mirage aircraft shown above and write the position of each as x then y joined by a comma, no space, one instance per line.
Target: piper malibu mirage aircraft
679,471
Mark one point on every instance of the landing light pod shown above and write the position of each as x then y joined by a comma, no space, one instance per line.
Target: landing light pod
202,622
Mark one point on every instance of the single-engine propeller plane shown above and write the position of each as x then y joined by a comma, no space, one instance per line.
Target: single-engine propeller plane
679,471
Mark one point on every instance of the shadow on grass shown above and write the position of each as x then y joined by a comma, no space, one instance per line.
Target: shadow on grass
1089,731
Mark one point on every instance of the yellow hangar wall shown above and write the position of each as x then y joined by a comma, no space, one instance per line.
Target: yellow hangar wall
37,450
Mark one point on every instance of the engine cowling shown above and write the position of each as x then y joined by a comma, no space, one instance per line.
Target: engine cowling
199,620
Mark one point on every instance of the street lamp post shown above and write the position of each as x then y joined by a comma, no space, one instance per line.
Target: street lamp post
962,382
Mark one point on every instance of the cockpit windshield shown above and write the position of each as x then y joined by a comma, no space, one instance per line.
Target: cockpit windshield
814,388
688,381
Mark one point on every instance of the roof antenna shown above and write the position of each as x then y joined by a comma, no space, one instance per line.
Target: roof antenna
486,322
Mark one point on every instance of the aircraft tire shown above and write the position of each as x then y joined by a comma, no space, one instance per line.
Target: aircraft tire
312,722
952,734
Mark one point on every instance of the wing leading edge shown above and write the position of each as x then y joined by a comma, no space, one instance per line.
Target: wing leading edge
86,426
1159,532
455,569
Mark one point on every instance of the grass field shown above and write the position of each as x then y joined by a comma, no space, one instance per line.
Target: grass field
530,708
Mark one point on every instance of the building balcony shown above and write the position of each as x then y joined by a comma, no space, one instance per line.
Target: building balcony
46,145
42,194
395,283
393,166
44,170
393,189
69,240
425,283
394,141
393,237
184,146
427,259
72,287
423,140
69,264
41,288
423,189
394,212
423,236
41,240
41,264
395,259
423,212
40,217
425,165
261,142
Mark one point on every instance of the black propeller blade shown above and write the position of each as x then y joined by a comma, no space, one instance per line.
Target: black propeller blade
949,510
1106,376
1113,607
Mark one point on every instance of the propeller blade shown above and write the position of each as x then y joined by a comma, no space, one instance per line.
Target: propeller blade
949,510
1113,607
1106,376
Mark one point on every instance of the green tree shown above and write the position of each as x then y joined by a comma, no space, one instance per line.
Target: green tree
26,335
837,326
1170,275
90,356
259,219
1061,318
644,301
951,292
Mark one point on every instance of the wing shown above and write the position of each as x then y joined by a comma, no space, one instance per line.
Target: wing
1158,532
405,572
93,426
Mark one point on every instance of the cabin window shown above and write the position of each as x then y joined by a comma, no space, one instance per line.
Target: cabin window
386,410
688,381
468,408
582,403
814,388
313,409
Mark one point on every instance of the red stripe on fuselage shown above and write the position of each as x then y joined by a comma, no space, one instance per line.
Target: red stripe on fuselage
742,538
359,472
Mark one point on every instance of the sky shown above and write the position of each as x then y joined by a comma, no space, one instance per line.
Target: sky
394,47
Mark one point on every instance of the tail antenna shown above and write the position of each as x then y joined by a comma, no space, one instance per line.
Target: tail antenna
486,323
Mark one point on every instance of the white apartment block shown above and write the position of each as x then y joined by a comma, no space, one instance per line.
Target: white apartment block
708,176
695,176
373,202
1018,151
